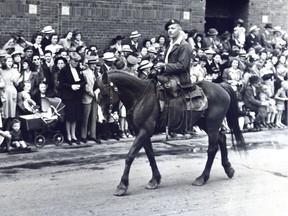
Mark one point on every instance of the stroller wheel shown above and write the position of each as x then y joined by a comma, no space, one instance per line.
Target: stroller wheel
58,139
39,141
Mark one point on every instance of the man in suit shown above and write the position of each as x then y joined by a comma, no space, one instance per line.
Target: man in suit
252,102
90,106
252,38
266,37
133,42
177,56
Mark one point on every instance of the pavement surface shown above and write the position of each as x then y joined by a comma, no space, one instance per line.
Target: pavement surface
51,155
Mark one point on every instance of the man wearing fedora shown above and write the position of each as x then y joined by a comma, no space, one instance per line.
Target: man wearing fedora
177,57
266,37
252,38
133,42
47,31
89,102
211,40
226,41
109,59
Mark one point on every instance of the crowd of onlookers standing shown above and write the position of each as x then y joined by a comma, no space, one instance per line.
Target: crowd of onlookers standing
253,61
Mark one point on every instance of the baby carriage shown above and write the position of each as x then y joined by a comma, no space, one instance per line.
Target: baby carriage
40,126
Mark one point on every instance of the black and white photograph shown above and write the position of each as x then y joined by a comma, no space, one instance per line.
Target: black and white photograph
144,107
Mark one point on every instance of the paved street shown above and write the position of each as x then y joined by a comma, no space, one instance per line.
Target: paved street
80,180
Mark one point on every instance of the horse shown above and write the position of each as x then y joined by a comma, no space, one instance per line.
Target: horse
143,111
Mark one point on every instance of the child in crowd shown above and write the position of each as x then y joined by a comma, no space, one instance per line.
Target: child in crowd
281,97
271,106
24,101
16,136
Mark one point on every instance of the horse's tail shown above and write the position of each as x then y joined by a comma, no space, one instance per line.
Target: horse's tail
232,118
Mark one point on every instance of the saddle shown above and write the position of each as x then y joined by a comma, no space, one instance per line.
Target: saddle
177,103
171,88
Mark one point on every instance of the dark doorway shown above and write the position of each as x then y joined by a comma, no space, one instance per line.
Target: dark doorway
222,14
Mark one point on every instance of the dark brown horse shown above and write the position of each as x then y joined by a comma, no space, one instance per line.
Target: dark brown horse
143,111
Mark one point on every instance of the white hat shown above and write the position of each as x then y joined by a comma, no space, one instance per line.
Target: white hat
48,29
253,28
145,64
210,51
277,29
152,49
126,48
109,56
134,34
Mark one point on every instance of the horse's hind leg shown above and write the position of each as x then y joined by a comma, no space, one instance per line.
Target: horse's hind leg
212,150
224,156
156,177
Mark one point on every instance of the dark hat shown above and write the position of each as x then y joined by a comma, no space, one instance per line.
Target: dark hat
76,32
28,48
203,58
92,60
170,22
118,37
268,25
119,64
226,34
212,31
254,79
267,76
75,56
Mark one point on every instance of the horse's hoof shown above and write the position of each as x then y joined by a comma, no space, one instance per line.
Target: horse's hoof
229,172
121,190
152,185
199,181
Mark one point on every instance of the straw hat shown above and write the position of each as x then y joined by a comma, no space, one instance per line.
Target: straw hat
109,56
48,29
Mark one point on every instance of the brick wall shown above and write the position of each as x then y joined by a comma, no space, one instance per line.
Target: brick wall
275,10
99,20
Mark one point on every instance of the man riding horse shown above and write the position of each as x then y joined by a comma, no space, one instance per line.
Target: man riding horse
175,70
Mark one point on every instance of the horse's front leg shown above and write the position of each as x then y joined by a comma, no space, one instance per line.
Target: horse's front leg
156,177
133,151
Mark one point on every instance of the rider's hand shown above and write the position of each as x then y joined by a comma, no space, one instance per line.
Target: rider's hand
160,66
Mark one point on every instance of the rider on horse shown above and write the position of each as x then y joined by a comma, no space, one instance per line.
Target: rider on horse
175,70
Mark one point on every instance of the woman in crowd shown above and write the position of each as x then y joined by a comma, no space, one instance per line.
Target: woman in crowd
29,75
66,41
233,75
163,43
36,40
10,78
72,83
59,63
77,40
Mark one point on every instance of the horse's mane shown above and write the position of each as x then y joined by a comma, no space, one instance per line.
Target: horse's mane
125,78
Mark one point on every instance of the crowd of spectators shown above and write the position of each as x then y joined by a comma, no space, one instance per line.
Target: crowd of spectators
253,61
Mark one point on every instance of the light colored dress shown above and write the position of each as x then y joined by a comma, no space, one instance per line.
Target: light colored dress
9,92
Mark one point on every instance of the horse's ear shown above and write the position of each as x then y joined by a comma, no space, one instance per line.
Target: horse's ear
105,78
